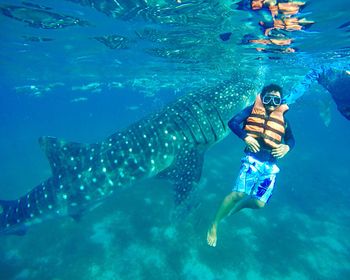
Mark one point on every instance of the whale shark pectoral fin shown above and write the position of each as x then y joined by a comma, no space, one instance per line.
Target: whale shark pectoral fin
184,173
66,156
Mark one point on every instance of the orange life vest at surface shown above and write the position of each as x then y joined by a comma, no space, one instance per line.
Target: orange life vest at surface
257,4
270,128
289,8
289,24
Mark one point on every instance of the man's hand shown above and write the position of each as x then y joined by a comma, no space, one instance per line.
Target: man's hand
280,151
252,144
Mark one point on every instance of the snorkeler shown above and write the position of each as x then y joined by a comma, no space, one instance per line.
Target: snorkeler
275,7
286,23
277,26
268,137
337,83
284,17
335,79
290,7
282,44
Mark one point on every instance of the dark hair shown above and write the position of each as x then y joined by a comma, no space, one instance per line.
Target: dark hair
270,88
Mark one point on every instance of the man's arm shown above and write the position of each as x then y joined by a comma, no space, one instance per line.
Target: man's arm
299,89
289,142
235,124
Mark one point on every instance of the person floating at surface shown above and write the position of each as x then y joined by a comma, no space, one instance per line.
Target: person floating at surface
277,37
255,5
286,23
287,8
290,7
282,19
268,137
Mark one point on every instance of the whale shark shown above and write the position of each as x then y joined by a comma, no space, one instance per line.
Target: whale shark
169,144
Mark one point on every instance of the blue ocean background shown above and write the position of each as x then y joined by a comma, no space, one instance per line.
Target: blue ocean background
76,88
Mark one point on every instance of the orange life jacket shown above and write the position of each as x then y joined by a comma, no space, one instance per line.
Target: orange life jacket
289,8
281,42
292,24
270,128
257,4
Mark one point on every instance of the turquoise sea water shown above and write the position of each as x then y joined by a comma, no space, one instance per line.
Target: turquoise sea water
65,78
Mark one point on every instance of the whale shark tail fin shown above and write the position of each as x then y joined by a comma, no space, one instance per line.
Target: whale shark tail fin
67,157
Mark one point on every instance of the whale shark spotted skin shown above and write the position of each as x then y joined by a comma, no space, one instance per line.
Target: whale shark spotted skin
169,144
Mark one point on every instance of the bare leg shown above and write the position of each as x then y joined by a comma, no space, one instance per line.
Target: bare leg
225,208
232,203
251,203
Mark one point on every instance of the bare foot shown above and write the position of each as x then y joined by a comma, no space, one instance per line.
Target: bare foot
211,236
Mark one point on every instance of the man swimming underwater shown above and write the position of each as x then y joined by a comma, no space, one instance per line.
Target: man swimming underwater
268,137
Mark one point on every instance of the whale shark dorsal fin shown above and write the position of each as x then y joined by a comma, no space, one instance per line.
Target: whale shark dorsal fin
185,172
66,156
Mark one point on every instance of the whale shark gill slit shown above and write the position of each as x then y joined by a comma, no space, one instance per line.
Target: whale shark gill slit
223,126
185,127
208,121
203,124
196,126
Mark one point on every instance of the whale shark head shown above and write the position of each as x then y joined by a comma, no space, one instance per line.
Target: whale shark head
232,96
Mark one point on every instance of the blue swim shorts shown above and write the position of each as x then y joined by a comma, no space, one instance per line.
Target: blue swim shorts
256,178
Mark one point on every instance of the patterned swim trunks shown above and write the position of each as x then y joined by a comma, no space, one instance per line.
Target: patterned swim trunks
256,178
